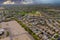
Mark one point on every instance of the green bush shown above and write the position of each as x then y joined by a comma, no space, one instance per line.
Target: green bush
7,34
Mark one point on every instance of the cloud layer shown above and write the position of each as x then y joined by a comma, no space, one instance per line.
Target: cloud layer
8,2
29,1
18,2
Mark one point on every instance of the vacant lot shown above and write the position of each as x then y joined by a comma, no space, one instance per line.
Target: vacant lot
16,31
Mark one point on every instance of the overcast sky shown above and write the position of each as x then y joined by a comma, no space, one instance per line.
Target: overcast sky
36,1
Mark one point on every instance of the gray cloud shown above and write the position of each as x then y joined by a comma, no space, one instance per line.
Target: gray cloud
17,2
31,1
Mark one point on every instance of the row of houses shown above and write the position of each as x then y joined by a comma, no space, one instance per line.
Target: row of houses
42,27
